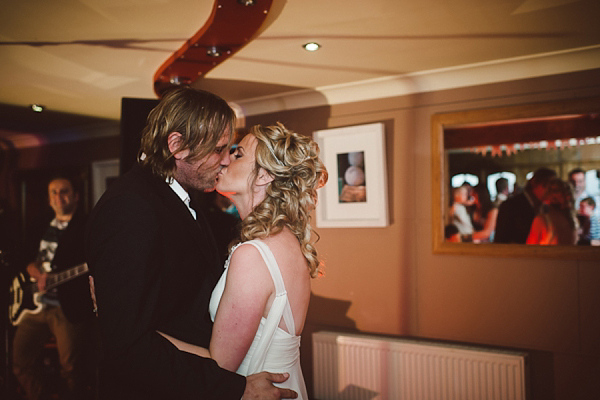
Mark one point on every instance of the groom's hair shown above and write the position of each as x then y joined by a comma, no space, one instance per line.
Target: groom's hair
199,116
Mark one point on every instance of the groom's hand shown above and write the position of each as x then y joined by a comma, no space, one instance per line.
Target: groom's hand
260,387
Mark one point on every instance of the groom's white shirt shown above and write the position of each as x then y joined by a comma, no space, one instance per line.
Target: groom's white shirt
182,194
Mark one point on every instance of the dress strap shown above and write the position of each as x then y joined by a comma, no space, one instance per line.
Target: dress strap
280,290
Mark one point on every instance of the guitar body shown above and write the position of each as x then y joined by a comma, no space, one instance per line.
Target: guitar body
26,299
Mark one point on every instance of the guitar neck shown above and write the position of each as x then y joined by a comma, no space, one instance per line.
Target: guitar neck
58,278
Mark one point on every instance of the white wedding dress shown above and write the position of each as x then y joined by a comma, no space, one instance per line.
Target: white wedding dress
273,349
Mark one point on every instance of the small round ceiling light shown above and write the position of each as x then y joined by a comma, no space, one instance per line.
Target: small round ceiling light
38,108
312,46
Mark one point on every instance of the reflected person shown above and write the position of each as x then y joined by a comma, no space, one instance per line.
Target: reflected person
516,214
556,223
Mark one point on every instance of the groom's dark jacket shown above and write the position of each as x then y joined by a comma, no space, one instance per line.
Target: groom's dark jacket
154,268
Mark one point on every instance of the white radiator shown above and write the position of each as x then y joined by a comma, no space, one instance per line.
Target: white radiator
361,367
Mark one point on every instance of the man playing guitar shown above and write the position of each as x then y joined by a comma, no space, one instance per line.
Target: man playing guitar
64,312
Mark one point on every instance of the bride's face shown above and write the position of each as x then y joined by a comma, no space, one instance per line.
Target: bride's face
236,178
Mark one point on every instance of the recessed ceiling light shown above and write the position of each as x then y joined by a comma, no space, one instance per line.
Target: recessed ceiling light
312,46
38,108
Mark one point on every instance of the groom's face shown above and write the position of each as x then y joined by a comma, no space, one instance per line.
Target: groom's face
201,174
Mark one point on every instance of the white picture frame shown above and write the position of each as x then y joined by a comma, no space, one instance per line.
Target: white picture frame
102,173
366,142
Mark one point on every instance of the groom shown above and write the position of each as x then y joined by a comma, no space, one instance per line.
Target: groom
154,261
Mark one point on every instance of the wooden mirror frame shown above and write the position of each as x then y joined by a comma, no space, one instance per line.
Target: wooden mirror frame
442,122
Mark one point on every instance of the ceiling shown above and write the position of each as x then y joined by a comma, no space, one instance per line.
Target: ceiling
78,58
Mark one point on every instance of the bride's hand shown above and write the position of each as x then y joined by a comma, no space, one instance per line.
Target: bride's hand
260,386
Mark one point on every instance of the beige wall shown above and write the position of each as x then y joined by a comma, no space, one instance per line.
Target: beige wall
388,281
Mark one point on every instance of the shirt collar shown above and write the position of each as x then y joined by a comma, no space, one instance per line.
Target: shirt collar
182,194
59,224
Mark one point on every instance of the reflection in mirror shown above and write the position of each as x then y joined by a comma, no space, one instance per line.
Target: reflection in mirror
518,175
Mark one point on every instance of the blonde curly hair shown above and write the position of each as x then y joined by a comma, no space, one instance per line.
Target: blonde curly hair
293,162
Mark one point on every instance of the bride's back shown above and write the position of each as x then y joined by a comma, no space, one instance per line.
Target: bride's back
296,277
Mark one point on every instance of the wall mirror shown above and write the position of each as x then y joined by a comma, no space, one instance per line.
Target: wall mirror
512,142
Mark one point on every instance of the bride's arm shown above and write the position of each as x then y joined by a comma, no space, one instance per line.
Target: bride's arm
187,347
247,290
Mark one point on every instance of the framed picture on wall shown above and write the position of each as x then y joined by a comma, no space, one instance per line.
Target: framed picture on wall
356,193
103,173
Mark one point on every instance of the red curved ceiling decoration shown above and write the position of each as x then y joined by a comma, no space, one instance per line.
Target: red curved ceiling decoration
231,25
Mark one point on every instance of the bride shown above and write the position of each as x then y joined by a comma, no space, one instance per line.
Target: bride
259,305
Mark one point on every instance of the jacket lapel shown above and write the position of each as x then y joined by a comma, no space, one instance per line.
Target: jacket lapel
198,229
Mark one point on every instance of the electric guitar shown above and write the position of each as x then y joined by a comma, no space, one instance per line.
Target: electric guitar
25,297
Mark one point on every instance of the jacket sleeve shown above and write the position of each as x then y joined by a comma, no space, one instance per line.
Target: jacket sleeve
124,254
